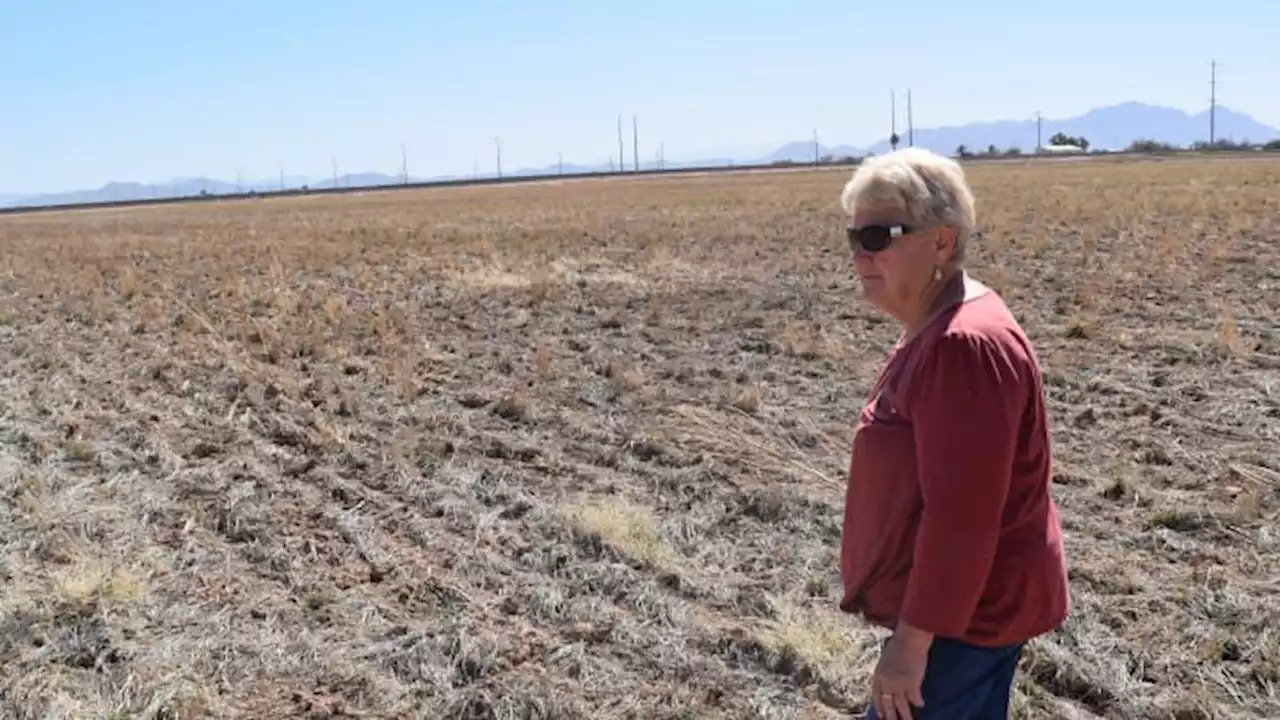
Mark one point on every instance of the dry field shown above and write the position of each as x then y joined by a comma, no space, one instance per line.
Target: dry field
576,450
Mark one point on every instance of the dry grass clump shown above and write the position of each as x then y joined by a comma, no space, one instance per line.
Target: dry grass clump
575,450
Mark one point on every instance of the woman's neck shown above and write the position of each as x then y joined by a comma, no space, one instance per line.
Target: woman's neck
951,289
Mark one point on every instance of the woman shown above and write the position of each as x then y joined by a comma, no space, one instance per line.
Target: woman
951,537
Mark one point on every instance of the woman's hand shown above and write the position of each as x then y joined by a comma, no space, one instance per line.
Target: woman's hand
899,675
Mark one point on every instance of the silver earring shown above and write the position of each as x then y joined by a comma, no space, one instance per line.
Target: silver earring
937,274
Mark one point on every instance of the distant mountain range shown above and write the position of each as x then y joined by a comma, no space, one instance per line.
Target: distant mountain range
1110,128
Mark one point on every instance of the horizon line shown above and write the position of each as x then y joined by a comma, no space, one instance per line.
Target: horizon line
309,180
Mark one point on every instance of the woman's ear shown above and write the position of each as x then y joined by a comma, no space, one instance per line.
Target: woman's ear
946,244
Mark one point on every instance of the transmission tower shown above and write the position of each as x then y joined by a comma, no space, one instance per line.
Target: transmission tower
893,120
1213,102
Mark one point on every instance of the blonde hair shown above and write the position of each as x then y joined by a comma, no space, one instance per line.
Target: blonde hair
930,188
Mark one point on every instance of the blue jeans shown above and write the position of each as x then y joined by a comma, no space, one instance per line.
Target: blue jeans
965,682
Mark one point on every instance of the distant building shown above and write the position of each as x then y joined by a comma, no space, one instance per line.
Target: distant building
1061,150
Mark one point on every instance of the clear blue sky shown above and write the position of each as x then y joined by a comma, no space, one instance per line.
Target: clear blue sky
150,90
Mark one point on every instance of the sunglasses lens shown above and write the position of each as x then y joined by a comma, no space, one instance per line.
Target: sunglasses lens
872,238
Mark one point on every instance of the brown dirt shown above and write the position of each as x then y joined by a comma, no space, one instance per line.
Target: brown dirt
570,451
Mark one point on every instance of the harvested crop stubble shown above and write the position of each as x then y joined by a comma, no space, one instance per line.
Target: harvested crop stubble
575,450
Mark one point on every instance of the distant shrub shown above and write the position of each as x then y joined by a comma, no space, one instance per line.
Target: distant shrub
1222,145
1151,146
1065,139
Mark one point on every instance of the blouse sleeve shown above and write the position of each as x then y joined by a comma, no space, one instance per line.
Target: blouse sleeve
965,406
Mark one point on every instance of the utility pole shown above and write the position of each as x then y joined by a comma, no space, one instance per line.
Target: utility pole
497,143
815,147
893,120
1213,102
281,176
334,160
560,162
635,144
911,128
662,156
622,156
404,164
1039,145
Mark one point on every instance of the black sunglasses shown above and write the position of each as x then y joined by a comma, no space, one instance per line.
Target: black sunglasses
874,238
